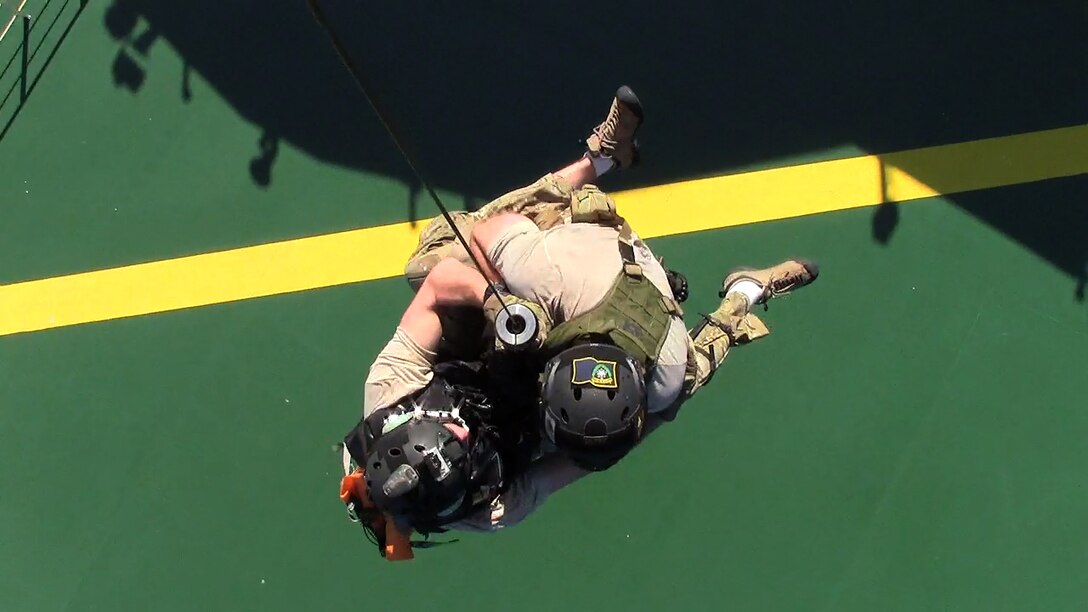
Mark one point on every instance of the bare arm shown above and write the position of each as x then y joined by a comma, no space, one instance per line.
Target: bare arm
450,283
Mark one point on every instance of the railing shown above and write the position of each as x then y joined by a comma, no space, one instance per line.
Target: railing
16,19
16,10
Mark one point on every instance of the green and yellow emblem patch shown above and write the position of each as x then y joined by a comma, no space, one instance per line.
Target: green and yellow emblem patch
590,371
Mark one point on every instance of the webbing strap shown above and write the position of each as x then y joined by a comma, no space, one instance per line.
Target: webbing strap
633,270
671,306
627,250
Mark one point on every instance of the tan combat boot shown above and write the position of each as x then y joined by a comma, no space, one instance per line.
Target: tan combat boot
615,137
776,280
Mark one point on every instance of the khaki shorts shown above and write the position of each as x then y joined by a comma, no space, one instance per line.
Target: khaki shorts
546,203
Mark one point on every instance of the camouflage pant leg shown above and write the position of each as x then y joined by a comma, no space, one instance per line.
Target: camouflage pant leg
710,341
546,202
437,242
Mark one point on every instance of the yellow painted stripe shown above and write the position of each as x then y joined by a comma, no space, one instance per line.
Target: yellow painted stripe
380,252
783,193
212,278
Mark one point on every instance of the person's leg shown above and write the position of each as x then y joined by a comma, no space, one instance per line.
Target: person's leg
611,144
762,285
437,242
578,174
614,138
546,202
732,323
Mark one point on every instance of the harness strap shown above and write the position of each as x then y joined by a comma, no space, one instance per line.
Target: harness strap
627,249
632,269
671,306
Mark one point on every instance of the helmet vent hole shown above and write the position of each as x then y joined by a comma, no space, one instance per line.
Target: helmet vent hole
394,452
596,427
626,411
377,465
578,393
611,394
563,414
420,447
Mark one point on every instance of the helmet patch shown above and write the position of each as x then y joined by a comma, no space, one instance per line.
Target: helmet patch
590,371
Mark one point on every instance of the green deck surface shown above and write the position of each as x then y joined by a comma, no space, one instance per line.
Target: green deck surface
910,437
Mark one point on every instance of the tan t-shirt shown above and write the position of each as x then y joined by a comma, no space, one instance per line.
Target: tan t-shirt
569,269
400,369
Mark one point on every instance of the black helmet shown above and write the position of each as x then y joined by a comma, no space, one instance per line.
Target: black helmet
594,404
418,472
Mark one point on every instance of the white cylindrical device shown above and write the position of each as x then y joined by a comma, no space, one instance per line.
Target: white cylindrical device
516,325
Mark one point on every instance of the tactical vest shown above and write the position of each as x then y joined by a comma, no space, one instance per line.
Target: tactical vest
634,315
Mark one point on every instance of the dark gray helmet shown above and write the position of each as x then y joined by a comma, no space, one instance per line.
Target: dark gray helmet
418,472
593,404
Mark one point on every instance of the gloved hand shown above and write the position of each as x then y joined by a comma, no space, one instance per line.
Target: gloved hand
523,325
678,283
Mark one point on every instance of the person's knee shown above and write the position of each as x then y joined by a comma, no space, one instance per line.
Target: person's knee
419,267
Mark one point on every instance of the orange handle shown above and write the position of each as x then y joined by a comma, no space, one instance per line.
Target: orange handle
398,544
